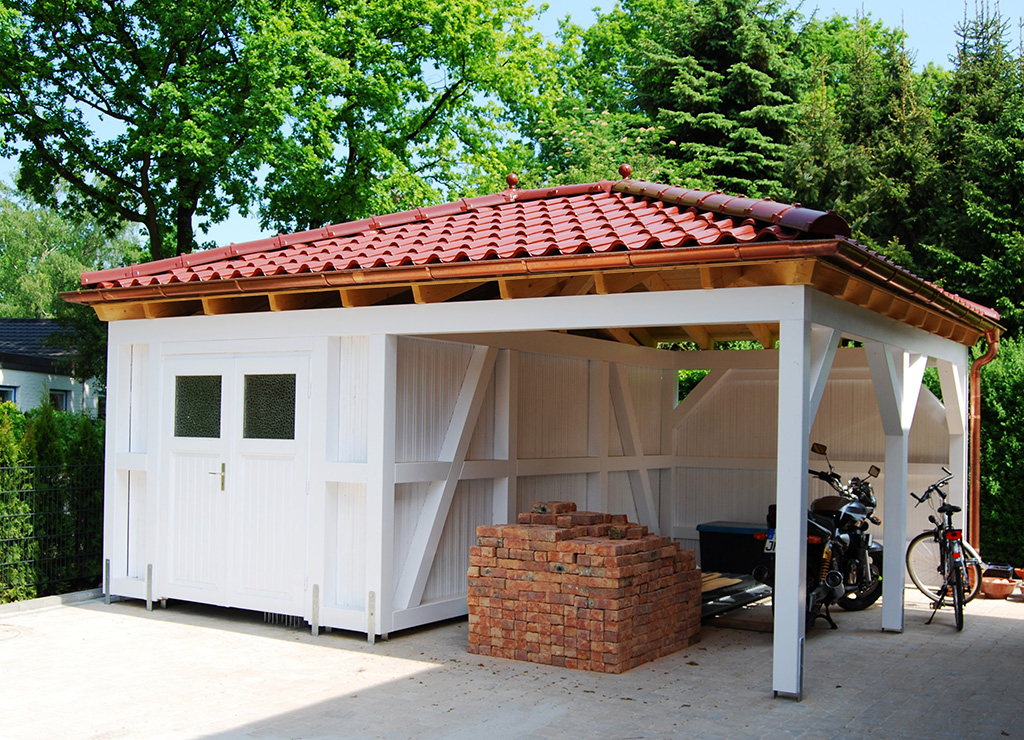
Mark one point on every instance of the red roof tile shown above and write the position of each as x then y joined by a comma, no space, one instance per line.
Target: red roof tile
591,218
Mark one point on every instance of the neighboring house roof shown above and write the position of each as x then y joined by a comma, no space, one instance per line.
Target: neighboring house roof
592,238
23,345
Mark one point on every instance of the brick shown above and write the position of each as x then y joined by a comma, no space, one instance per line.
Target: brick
567,594
552,507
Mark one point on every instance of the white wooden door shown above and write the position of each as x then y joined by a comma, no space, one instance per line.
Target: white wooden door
237,471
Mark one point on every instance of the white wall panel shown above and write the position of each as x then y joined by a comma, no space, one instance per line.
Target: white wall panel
267,501
735,423
645,390
620,496
430,376
345,524
481,446
138,398
134,517
553,406
353,396
471,507
536,488
409,501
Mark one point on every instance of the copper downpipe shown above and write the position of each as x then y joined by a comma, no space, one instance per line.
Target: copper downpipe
974,505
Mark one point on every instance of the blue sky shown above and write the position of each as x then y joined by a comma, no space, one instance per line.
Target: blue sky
929,24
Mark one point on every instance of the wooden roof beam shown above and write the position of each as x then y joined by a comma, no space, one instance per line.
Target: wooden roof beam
578,285
529,287
357,297
163,309
623,336
700,336
441,292
618,282
240,304
763,334
300,301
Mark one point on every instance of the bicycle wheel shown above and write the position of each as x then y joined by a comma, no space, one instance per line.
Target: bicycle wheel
956,583
924,564
972,570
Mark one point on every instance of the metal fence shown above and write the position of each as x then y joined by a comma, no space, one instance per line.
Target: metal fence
51,530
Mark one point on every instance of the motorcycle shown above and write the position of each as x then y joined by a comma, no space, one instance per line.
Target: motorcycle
844,563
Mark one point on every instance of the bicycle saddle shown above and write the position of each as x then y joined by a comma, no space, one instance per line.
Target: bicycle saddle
948,509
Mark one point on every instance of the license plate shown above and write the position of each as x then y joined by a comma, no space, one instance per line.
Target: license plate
769,544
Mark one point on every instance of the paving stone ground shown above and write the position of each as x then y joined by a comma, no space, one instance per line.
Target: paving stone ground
101,672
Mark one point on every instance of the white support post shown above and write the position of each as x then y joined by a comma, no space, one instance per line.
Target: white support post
380,484
896,376
425,539
794,428
955,399
632,446
506,434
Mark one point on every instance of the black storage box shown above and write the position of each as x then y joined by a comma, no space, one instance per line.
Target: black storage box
730,547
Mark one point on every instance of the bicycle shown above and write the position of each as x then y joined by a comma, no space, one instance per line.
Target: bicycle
940,562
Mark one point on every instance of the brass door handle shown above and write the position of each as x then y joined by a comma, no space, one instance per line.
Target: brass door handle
221,474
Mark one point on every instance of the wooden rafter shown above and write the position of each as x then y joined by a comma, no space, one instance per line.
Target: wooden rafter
528,287
356,297
763,334
700,336
618,282
241,304
440,292
302,301
622,335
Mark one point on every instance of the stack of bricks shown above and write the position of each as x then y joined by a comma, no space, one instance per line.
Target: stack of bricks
580,589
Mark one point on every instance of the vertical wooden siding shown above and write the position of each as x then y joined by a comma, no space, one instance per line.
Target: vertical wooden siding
728,471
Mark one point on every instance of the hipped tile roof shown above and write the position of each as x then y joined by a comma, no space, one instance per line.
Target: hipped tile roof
581,219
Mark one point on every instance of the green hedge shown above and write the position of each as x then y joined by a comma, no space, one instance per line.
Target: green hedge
1002,455
51,499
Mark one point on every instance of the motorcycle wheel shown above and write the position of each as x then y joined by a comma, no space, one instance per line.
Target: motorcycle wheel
862,598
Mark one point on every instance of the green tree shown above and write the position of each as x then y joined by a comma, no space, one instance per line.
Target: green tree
168,113
863,140
722,77
1002,440
977,221
42,254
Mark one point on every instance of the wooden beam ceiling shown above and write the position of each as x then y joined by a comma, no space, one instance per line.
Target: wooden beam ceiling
824,276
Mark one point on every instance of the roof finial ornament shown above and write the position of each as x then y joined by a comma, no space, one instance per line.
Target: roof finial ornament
512,179
625,171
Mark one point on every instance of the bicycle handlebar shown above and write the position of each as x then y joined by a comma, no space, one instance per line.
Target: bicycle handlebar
936,486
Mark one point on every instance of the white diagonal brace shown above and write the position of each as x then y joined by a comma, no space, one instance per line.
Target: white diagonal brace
887,380
423,548
824,343
696,396
632,446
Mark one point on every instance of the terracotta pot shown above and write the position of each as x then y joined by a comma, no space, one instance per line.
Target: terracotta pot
1019,572
997,588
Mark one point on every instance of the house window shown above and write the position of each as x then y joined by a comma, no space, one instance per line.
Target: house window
269,407
197,406
8,393
59,400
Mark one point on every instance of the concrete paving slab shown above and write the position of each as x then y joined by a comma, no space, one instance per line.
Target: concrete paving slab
102,672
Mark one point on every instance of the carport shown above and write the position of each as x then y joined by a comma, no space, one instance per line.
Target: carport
542,311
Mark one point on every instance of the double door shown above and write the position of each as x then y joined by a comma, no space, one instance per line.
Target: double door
236,469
